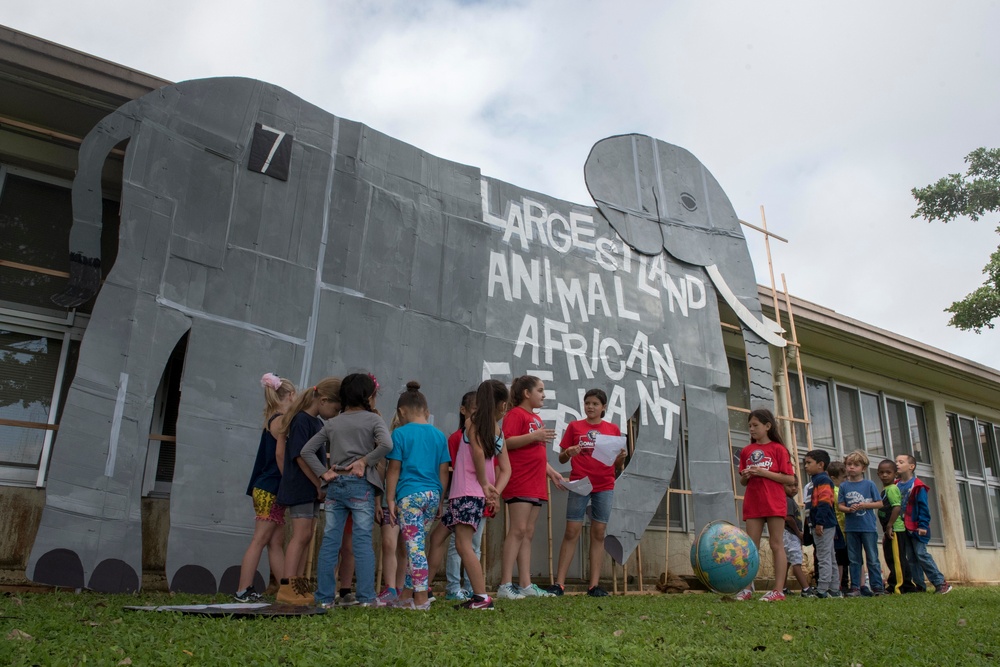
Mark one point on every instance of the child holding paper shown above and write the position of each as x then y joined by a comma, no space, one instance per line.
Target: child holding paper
577,447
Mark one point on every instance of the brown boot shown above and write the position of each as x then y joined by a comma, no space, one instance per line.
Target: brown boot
297,591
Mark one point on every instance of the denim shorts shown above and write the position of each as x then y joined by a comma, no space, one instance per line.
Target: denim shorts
600,506
304,511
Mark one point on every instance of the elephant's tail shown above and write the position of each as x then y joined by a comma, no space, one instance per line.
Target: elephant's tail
88,206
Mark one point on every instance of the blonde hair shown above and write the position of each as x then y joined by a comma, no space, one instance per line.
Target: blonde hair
857,456
397,421
274,397
328,388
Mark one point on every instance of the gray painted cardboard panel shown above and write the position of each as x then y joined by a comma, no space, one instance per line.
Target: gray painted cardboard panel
426,270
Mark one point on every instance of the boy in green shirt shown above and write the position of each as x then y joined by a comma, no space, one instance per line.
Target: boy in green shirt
890,516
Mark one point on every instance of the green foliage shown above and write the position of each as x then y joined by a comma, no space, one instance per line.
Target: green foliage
972,195
956,629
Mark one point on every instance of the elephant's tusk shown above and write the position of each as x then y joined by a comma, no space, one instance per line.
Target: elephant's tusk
766,328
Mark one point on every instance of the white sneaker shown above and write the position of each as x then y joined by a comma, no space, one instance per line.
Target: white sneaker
533,591
508,592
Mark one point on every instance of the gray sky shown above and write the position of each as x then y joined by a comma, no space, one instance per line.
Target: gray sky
824,113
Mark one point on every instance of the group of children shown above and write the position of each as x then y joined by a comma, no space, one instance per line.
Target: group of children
844,510
328,443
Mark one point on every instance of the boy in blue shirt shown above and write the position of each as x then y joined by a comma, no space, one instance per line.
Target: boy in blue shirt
858,500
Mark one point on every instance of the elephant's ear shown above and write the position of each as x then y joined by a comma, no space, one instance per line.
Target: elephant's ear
623,192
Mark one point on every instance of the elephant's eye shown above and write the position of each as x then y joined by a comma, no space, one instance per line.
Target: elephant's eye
688,201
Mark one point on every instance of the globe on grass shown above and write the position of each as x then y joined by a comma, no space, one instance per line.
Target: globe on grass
724,558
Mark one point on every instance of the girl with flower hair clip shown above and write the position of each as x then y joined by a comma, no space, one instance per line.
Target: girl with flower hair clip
263,489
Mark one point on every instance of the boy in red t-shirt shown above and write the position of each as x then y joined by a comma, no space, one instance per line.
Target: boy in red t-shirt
577,447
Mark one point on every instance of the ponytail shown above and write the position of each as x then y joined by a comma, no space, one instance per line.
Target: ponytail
328,388
489,396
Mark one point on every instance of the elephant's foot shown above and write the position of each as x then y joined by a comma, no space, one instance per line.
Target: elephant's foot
194,579
63,567
59,567
114,576
230,581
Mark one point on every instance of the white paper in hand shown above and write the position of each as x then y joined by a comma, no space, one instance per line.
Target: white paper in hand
579,486
607,447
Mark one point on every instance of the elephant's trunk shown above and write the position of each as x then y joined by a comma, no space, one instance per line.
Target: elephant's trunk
88,206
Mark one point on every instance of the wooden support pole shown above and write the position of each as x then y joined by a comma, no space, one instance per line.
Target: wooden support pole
625,576
638,560
666,543
548,505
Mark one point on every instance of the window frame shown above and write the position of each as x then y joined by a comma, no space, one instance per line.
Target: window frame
978,479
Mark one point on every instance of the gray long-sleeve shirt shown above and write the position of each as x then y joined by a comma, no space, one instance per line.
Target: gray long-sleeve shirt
351,436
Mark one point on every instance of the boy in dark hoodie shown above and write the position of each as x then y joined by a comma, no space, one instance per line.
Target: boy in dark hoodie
917,519
823,519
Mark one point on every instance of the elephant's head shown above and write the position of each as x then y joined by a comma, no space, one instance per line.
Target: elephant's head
658,196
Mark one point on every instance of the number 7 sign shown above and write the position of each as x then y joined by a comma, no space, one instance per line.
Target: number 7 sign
270,152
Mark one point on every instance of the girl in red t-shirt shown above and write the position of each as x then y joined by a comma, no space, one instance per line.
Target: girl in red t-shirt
577,446
765,468
527,441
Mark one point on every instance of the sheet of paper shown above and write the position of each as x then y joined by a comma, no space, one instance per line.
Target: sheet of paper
607,447
579,486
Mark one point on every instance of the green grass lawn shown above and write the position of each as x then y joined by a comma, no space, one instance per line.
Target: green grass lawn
960,628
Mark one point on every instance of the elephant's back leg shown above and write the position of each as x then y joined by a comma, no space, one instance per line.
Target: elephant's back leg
218,429
90,533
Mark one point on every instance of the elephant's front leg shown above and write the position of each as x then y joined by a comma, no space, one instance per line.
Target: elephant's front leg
218,428
638,492
90,533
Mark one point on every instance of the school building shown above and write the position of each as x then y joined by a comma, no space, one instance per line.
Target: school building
840,385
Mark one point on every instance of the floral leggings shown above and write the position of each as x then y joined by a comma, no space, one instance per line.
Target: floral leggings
416,512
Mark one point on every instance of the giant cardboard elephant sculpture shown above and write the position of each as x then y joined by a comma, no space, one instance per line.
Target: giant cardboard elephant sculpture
278,237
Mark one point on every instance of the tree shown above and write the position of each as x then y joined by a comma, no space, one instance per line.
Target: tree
973,195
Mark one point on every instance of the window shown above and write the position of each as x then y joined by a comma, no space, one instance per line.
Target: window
974,447
871,412
798,411
820,414
35,219
31,388
899,428
851,429
918,433
39,341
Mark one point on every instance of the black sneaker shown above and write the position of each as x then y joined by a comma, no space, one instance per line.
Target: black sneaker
597,592
476,602
810,592
866,592
249,595
556,589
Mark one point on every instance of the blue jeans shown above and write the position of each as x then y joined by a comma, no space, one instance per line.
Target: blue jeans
453,568
354,496
922,563
869,542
